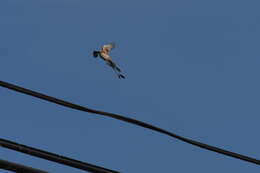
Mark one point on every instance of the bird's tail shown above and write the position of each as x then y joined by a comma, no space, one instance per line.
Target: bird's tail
113,65
121,76
116,69
96,53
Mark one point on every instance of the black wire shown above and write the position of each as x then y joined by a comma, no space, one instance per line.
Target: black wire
53,157
129,120
14,167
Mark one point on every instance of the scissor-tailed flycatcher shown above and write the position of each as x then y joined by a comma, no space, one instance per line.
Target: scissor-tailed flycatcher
104,54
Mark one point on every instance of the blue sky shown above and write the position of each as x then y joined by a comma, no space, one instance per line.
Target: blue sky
192,67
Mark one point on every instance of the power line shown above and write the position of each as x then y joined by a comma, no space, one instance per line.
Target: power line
53,157
14,167
128,120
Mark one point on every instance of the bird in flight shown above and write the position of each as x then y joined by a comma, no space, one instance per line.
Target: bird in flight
104,54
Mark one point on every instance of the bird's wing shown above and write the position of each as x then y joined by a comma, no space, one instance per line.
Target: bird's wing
108,47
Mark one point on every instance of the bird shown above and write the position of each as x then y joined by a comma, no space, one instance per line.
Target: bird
104,54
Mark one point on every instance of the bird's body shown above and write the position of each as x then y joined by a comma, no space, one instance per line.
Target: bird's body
104,54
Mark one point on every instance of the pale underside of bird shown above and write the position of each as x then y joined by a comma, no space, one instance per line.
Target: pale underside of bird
104,54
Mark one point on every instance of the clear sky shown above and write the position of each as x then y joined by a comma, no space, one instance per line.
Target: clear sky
192,67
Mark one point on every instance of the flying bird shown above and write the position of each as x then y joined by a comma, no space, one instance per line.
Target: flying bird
104,54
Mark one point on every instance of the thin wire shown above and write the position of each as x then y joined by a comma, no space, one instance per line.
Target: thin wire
129,120
14,167
53,157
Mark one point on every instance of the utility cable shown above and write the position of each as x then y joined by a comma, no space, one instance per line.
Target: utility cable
128,120
14,167
53,157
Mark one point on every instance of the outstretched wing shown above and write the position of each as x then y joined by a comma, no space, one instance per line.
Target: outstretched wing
108,47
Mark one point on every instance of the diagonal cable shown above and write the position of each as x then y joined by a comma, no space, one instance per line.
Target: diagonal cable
53,157
128,120
14,167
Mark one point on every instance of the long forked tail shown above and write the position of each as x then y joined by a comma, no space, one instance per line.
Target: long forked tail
121,76
114,66
116,69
